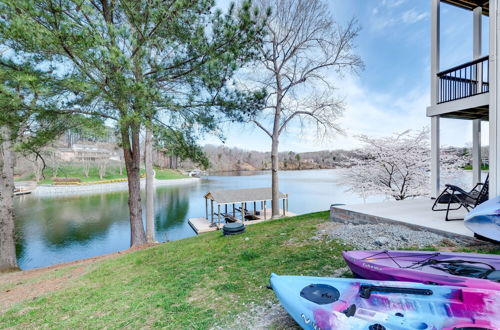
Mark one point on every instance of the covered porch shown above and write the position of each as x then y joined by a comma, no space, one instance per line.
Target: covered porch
415,213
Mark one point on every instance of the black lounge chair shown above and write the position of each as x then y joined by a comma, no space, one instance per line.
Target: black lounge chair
467,199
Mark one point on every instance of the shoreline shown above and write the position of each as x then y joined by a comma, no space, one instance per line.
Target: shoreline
50,190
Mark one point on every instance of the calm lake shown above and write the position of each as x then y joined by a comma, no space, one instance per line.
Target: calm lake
52,230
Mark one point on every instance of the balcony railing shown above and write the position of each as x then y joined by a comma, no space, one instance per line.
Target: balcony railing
465,80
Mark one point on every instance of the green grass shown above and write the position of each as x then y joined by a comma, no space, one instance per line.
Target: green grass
193,283
112,173
483,167
168,174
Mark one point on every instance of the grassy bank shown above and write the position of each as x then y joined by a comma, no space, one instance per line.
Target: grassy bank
112,173
483,167
197,282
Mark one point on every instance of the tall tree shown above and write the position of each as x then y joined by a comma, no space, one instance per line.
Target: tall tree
138,62
302,47
28,121
148,162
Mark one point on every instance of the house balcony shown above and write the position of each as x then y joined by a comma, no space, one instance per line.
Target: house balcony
463,91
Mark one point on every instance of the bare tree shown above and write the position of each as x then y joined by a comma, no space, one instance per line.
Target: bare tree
304,45
102,165
86,163
38,167
54,160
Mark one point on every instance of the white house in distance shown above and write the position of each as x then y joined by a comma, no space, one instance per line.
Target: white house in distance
469,91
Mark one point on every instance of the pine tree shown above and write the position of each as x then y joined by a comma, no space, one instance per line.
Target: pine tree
163,63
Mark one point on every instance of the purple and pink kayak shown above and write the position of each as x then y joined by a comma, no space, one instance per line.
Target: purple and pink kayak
471,270
356,304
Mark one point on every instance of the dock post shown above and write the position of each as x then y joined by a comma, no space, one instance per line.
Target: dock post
234,212
254,209
206,208
284,209
212,212
265,202
218,214
225,208
242,212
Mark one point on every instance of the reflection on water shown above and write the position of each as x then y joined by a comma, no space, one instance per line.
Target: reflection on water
52,230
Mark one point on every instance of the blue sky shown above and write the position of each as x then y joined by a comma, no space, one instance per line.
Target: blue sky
392,93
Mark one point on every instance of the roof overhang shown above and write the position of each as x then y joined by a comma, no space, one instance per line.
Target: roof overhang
470,4
242,195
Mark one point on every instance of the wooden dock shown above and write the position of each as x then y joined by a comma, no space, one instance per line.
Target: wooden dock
203,225
22,192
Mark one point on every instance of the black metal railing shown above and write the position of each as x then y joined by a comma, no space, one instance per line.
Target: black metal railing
465,80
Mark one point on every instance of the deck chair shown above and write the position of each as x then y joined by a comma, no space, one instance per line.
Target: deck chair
457,196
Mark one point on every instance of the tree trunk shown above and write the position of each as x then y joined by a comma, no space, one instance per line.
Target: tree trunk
132,156
8,260
274,177
148,160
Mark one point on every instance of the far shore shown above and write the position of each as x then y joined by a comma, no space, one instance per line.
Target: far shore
51,190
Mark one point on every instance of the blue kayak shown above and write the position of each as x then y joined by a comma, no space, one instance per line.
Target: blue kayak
484,219
343,303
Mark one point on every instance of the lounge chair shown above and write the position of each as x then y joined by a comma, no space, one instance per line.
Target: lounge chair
467,199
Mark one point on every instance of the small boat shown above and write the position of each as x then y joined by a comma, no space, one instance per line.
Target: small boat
341,303
431,267
484,219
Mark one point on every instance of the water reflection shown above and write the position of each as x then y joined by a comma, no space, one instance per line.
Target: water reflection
52,230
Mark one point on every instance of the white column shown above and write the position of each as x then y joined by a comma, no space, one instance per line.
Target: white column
435,145
476,124
435,166
435,49
476,151
494,120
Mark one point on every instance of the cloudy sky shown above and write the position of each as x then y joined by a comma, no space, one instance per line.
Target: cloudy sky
392,93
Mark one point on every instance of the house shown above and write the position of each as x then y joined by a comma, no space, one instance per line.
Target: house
469,91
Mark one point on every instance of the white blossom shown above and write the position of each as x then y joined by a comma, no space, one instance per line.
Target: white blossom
396,165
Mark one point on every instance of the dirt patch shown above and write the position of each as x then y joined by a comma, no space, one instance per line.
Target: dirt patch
270,315
20,286
325,226
200,295
33,289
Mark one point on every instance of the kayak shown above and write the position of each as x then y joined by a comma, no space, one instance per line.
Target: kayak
342,303
445,268
484,219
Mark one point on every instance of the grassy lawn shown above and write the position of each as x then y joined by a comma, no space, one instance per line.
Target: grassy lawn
483,167
112,173
195,283
168,174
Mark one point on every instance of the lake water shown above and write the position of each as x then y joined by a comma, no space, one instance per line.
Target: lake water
52,230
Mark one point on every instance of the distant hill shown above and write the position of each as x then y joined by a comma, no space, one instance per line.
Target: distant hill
234,159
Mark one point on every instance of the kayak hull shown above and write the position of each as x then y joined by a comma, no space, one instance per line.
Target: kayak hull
395,266
484,219
443,308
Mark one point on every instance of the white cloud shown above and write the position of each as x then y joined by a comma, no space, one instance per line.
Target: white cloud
387,15
413,16
392,3
367,112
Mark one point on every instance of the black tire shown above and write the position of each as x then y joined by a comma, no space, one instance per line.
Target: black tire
233,227
234,232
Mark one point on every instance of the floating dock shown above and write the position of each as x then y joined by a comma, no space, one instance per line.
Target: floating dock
203,225
22,192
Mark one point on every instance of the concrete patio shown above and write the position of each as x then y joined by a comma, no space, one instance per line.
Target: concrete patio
415,213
